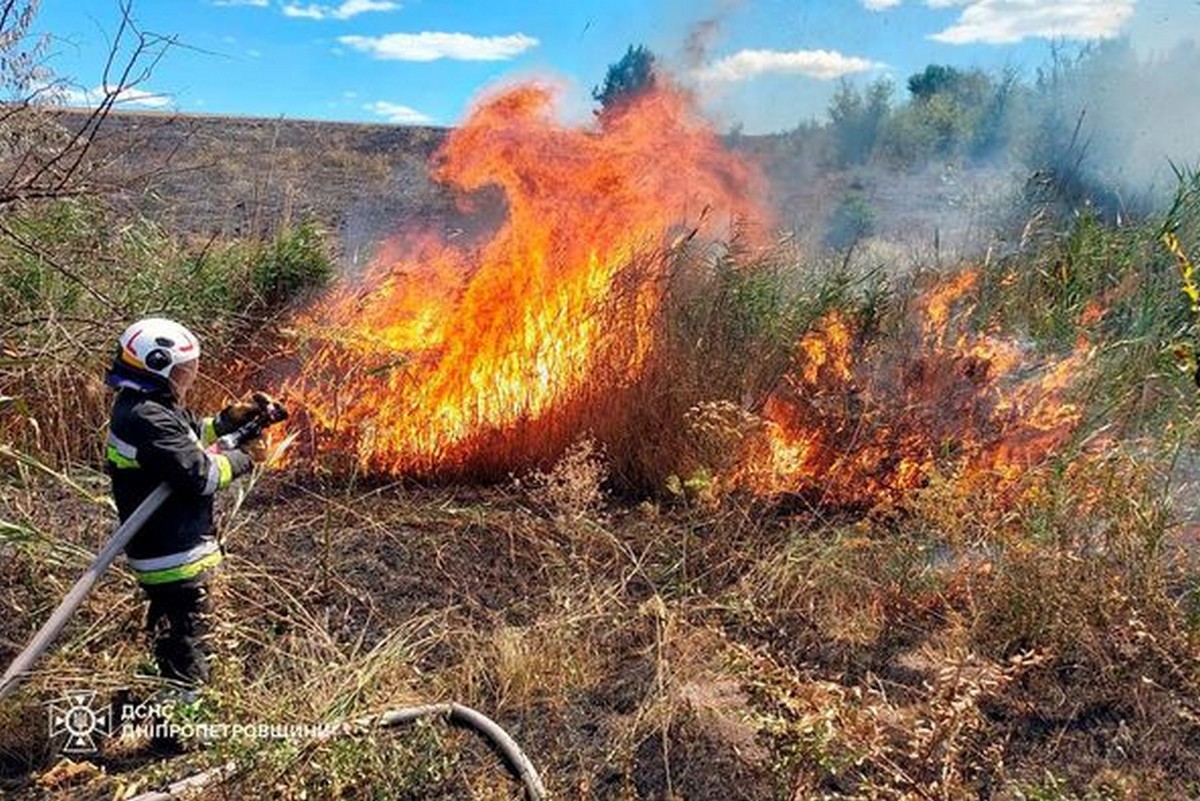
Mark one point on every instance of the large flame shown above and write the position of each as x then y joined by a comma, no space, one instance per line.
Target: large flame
441,349
448,357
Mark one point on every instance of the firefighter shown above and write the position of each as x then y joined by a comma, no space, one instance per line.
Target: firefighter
152,438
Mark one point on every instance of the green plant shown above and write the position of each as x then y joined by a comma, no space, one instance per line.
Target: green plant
852,222
856,119
293,263
629,77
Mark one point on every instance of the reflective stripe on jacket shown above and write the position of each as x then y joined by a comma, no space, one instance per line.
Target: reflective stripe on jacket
150,440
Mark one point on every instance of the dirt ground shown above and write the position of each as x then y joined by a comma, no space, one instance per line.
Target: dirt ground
464,571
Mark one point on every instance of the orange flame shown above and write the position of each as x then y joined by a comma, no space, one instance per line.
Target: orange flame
939,302
449,358
444,349
827,349
881,423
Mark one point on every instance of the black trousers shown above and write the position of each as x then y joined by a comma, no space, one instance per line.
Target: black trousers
178,625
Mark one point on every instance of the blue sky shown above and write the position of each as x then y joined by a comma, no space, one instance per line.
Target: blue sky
767,64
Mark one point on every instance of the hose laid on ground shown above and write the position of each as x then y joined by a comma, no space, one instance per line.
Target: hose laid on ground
24,662
270,414
455,713
515,758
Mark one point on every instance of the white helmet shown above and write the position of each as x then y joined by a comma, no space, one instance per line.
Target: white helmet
155,346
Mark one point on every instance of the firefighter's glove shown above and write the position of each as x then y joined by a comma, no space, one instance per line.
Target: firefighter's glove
240,462
236,415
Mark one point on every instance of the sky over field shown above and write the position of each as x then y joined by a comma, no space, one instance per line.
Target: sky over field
766,65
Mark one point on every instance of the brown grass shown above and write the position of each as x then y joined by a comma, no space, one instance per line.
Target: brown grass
639,652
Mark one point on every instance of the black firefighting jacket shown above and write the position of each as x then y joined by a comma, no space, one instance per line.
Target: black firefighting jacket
151,439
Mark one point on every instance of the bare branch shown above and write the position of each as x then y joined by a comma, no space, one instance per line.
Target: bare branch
44,159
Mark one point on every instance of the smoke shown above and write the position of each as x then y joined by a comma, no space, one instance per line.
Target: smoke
699,41
1134,115
932,167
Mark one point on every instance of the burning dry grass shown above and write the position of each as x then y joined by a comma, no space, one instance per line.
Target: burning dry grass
908,666
981,630
583,315
461,358
898,537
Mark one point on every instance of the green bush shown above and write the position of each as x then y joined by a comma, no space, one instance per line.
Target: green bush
852,222
631,76
74,272
294,263
905,140
856,118
1116,289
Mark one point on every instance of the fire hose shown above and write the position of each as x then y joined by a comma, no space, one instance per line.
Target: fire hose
46,635
514,757
271,413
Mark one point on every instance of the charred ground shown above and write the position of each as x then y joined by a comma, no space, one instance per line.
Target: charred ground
1031,637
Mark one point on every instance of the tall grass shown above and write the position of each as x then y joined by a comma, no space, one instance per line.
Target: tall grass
952,643
73,275
726,333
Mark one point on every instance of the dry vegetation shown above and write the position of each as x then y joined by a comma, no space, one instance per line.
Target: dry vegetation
643,624
244,177
965,640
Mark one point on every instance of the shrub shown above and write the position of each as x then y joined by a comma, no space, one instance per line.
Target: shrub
73,273
628,78
574,486
294,263
857,118
852,221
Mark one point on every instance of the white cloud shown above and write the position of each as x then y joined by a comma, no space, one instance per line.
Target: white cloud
880,5
398,114
745,64
138,97
75,96
346,10
1008,21
430,46
304,12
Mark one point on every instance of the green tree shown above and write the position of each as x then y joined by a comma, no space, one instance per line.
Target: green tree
934,79
953,113
856,119
994,128
627,78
